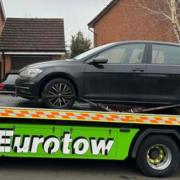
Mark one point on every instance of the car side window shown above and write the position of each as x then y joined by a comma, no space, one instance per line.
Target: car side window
124,54
165,54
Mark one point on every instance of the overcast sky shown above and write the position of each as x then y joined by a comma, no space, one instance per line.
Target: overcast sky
76,13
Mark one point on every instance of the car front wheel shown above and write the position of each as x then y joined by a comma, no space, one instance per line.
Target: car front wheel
59,94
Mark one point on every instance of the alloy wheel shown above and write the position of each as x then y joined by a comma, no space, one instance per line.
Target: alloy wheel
60,94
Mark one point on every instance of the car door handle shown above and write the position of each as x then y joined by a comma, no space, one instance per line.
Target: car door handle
138,70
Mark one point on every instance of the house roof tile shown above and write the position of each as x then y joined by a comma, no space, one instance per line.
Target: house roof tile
30,34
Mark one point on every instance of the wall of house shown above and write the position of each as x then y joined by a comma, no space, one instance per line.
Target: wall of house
127,21
7,63
7,60
1,60
1,67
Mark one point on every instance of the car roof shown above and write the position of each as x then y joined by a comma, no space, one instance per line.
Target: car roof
113,44
145,41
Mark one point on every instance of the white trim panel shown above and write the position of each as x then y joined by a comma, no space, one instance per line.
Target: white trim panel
34,53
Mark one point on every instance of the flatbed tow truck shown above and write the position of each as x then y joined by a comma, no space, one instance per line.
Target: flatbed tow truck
153,140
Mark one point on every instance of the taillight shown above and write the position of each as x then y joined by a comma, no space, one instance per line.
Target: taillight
1,86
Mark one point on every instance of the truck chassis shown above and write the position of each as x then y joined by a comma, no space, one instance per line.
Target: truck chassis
151,139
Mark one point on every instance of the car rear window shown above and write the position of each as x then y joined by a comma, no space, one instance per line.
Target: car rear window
165,54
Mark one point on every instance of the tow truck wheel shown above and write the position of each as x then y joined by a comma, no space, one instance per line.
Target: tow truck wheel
158,156
58,94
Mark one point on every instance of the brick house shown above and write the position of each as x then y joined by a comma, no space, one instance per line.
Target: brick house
25,41
125,20
2,20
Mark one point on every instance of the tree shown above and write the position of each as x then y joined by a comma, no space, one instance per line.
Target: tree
79,44
166,10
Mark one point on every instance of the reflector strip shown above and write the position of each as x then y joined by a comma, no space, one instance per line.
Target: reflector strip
89,116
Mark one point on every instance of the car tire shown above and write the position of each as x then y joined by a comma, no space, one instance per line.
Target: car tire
62,88
158,156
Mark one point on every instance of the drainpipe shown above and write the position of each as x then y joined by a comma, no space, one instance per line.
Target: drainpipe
95,35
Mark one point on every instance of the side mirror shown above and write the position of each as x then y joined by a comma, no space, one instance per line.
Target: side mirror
98,60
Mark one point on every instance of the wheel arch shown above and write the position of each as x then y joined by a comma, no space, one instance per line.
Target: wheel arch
52,76
173,133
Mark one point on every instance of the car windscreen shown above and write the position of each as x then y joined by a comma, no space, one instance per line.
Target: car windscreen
11,78
92,51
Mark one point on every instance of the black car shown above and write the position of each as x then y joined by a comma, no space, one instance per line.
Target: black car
132,72
7,86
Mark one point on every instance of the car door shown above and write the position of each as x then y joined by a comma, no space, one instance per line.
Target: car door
121,79
162,80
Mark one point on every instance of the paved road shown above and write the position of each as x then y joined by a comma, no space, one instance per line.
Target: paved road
46,169
54,169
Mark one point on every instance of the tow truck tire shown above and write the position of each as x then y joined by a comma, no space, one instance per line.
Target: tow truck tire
59,87
158,156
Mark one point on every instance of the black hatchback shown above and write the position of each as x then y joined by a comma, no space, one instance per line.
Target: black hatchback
135,72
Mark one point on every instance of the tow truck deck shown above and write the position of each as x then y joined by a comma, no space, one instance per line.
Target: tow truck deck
89,116
153,139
